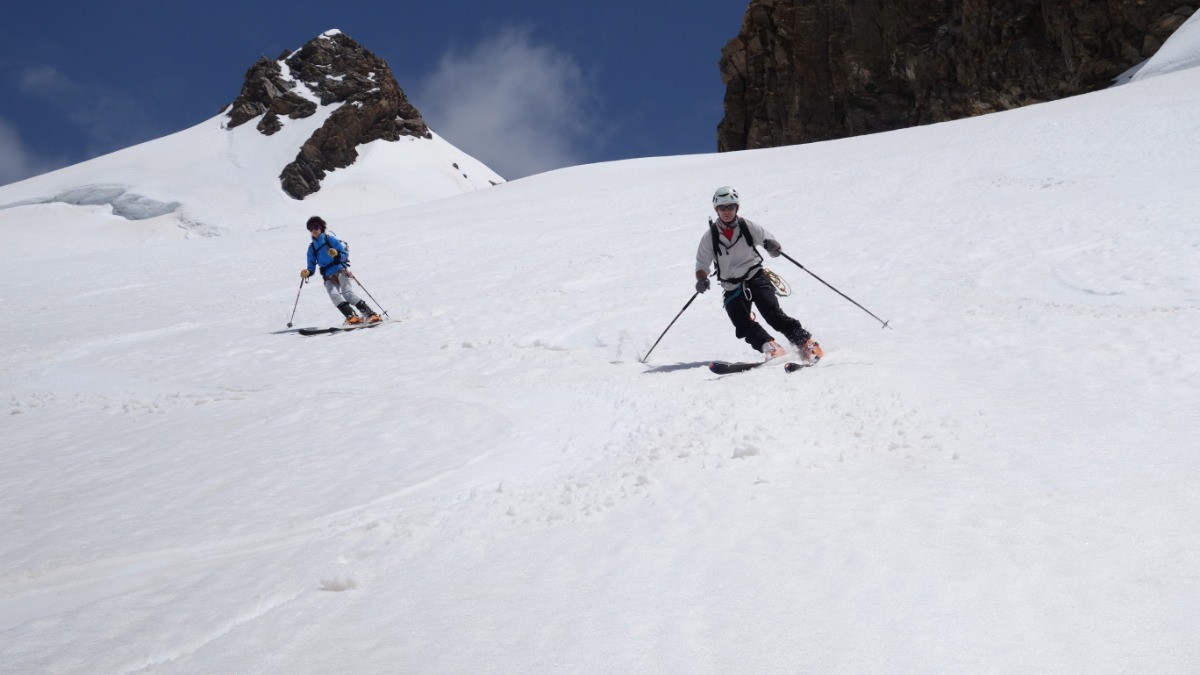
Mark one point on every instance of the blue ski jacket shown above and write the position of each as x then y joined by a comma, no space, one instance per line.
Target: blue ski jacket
318,255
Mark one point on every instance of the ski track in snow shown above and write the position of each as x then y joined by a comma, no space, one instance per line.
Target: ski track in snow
634,458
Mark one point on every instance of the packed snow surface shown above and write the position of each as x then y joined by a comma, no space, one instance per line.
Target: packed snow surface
1007,481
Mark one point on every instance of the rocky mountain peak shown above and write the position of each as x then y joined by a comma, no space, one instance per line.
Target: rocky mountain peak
331,69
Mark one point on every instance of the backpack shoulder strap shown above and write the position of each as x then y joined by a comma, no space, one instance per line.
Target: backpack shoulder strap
745,231
716,246
712,230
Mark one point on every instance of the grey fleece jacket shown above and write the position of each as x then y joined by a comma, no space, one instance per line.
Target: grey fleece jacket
737,258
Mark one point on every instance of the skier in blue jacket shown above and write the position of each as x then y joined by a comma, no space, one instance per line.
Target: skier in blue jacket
330,255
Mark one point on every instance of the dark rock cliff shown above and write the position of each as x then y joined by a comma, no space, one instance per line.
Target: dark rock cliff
335,70
811,70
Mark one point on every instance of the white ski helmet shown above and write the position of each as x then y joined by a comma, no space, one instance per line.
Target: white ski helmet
725,195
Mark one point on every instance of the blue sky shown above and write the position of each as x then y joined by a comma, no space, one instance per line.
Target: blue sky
524,87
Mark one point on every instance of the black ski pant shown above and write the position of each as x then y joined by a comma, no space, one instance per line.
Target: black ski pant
759,290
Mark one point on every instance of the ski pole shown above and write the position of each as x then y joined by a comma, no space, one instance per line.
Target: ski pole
660,337
355,278
885,323
302,282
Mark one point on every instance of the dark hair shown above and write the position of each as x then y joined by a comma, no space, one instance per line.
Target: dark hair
315,220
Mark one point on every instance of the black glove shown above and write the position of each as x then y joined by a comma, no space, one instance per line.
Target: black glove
702,285
772,247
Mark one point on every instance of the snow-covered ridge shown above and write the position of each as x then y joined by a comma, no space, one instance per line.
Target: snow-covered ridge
1180,52
212,179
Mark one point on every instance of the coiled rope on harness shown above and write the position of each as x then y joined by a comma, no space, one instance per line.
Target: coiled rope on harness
782,289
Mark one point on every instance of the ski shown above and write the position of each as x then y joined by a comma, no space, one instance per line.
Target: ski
338,329
723,368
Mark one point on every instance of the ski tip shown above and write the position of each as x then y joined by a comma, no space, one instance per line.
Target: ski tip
726,368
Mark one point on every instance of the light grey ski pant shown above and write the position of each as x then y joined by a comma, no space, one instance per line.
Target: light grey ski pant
340,289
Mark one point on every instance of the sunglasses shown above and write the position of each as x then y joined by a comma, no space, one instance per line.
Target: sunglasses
726,207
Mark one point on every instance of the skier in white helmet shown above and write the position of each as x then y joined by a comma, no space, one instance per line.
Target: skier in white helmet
729,244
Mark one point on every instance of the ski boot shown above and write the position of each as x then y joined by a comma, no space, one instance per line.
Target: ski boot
773,350
811,351
366,310
351,318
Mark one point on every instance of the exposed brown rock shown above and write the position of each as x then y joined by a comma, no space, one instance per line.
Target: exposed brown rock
337,71
265,89
811,70
269,123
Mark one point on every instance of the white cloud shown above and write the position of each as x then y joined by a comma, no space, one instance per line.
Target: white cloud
109,119
15,161
517,106
45,80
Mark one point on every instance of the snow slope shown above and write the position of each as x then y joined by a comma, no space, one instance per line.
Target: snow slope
1008,481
